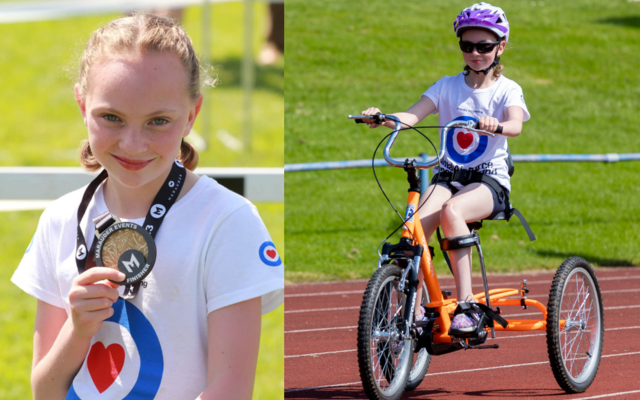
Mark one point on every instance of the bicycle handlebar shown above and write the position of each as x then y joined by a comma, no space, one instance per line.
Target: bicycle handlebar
380,118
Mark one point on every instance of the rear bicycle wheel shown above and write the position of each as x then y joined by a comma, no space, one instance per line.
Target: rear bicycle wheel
575,325
422,358
385,352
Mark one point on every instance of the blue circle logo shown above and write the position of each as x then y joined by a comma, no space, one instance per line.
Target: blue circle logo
269,255
464,147
151,360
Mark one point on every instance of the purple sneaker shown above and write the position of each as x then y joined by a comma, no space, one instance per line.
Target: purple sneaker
463,323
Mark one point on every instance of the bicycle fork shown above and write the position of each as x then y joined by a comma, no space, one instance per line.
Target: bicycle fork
412,273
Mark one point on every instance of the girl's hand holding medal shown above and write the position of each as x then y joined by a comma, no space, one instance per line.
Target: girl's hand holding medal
91,299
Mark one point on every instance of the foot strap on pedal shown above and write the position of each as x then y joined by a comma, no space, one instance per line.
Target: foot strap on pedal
479,308
493,315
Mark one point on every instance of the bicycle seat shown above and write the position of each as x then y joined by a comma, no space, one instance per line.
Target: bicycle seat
505,216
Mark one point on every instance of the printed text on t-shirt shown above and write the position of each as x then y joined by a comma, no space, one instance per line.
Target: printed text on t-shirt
484,168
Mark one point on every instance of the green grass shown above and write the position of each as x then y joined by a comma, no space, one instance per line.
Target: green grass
576,62
42,124
17,312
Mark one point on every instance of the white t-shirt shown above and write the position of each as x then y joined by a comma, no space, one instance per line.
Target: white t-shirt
212,251
454,99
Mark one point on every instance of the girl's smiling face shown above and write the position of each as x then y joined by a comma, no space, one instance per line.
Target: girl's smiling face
479,61
137,110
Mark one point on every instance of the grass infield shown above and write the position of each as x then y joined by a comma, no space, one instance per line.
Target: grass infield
41,121
576,63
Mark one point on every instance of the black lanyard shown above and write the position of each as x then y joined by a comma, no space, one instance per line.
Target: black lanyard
163,201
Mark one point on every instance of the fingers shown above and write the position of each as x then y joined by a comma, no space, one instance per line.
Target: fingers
93,291
91,299
97,274
488,124
93,284
94,304
371,111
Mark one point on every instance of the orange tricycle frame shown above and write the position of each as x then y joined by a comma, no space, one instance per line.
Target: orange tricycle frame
445,307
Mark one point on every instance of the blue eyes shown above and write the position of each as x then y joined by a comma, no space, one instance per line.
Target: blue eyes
154,121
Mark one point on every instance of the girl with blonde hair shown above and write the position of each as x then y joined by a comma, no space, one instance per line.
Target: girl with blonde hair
151,280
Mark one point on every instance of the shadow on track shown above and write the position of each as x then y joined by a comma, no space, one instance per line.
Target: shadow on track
515,393
358,393
599,261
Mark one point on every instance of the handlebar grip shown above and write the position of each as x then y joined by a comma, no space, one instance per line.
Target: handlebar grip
498,129
378,118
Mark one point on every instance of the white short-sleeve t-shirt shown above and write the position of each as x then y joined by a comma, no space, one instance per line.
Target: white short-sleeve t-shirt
212,251
454,99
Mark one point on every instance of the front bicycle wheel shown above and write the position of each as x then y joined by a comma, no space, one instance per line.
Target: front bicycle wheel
422,358
385,349
575,325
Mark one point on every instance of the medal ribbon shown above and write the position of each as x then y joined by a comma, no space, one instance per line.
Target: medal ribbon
163,201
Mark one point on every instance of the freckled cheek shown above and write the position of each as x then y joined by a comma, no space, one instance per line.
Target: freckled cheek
164,142
99,136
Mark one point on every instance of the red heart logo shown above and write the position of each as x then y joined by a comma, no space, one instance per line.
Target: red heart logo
271,253
465,139
105,364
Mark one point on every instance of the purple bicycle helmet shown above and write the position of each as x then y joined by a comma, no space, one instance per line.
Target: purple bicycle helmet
483,16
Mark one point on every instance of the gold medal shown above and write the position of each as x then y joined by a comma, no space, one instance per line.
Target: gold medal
127,247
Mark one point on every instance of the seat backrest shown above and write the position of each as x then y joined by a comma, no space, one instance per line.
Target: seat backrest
510,164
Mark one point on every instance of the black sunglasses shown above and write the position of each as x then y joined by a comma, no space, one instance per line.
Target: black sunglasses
483,47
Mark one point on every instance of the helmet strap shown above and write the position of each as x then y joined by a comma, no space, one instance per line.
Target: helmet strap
496,61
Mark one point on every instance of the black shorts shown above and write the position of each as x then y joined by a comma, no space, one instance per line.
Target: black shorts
499,205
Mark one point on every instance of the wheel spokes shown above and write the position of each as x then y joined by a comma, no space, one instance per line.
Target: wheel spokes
384,336
577,335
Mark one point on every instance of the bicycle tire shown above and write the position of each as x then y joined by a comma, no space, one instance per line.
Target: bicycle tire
384,359
576,347
422,359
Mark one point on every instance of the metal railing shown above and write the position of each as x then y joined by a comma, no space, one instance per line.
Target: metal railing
424,173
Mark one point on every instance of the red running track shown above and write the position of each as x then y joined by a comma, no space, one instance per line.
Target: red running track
320,345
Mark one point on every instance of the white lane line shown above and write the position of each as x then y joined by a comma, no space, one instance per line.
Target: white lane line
607,395
321,354
500,337
478,369
321,329
358,307
624,327
602,292
505,316
323,309
620,307
532,314
324,293
609,278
